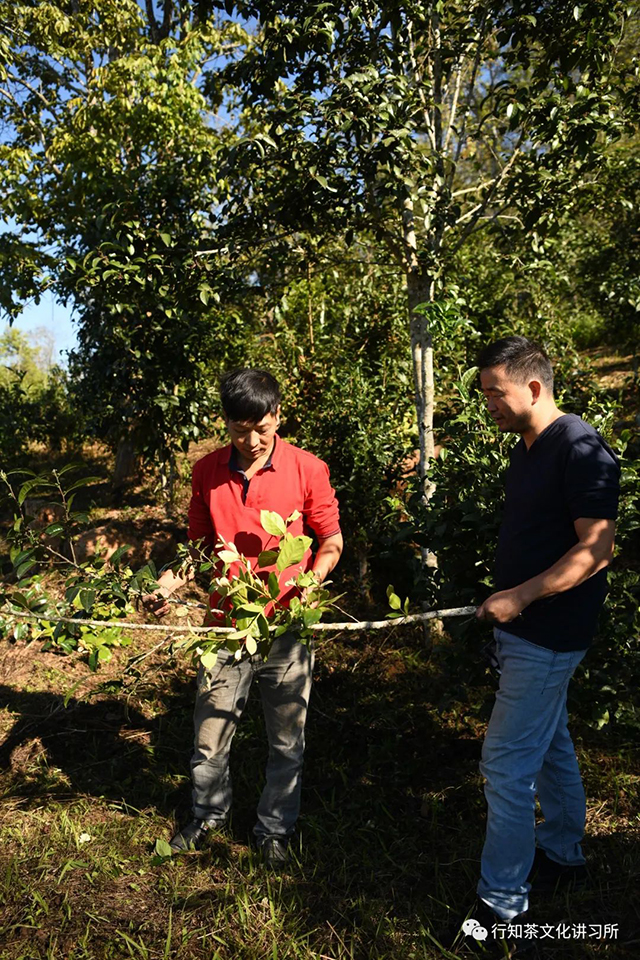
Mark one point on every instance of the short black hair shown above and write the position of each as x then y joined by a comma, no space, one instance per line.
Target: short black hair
521,358
248,394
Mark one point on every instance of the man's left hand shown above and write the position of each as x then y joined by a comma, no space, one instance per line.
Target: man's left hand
501,607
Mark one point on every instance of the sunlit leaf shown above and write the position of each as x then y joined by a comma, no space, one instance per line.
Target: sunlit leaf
273,523
292,551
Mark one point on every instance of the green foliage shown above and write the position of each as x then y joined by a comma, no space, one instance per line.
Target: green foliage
93,589
461,520
611,672
416,128
250,594
110,151
460,525
99,590
337,341
34,401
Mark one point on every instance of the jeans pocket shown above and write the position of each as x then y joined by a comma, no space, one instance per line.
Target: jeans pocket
551,670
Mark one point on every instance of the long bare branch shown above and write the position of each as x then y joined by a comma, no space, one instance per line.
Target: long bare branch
187,628
479,209
471,87
417,77
31,89
454,105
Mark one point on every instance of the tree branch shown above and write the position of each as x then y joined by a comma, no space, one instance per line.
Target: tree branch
478,210
417,77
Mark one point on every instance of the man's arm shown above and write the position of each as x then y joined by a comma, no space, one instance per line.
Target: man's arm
328,554
592,553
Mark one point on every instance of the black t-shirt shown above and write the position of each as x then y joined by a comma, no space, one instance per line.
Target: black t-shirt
568,472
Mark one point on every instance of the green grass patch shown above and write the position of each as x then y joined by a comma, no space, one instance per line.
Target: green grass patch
388,851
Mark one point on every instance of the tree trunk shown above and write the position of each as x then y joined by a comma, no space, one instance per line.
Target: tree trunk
420,290
127,463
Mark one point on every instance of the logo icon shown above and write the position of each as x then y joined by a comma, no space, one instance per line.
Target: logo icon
473,929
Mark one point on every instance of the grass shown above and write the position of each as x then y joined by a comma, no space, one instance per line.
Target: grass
390,837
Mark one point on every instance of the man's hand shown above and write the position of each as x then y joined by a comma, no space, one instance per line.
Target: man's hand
168,583
157,602
501,607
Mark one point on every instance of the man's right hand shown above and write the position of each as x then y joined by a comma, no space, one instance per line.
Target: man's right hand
157,602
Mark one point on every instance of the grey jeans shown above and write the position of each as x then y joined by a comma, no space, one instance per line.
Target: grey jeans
284,681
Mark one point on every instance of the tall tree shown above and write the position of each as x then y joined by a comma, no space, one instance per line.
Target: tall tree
109,160
418,123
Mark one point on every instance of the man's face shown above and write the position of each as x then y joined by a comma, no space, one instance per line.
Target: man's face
510,404
253,440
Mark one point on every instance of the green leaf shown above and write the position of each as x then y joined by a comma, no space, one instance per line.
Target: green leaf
163,849
21,556
24,567
117,555
166,239
208,659
19,600
251,646
87,599
267,558
69,468
247,610
263,625
274,585
84,482
38,484
54,529
394,600
310,616
292,551
273,523
324,182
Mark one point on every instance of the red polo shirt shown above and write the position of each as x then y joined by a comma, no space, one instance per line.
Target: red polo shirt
224,506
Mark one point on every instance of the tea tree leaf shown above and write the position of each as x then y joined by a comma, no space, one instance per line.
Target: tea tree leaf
292,551
273,523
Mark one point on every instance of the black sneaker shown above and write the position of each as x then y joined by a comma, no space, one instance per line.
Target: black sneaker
546,875
274,851
194,836
483,933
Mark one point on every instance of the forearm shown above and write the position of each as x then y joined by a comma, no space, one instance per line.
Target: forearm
328,554
173,579
169,581
577,565
591,553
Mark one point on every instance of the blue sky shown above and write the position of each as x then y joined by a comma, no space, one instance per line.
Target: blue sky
53,316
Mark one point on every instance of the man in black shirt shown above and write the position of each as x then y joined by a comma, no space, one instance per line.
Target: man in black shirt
555,543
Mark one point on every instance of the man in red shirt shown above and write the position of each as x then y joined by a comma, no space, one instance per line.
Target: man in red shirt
256,471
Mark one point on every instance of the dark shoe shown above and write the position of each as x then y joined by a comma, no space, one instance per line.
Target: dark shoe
274,851
483,933
194,836
546,875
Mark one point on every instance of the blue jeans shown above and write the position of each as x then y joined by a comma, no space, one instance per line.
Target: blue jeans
284,681
528,750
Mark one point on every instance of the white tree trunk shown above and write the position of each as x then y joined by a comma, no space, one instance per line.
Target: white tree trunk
420,290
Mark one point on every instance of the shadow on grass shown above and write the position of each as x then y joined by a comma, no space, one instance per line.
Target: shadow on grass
392,815
105,748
